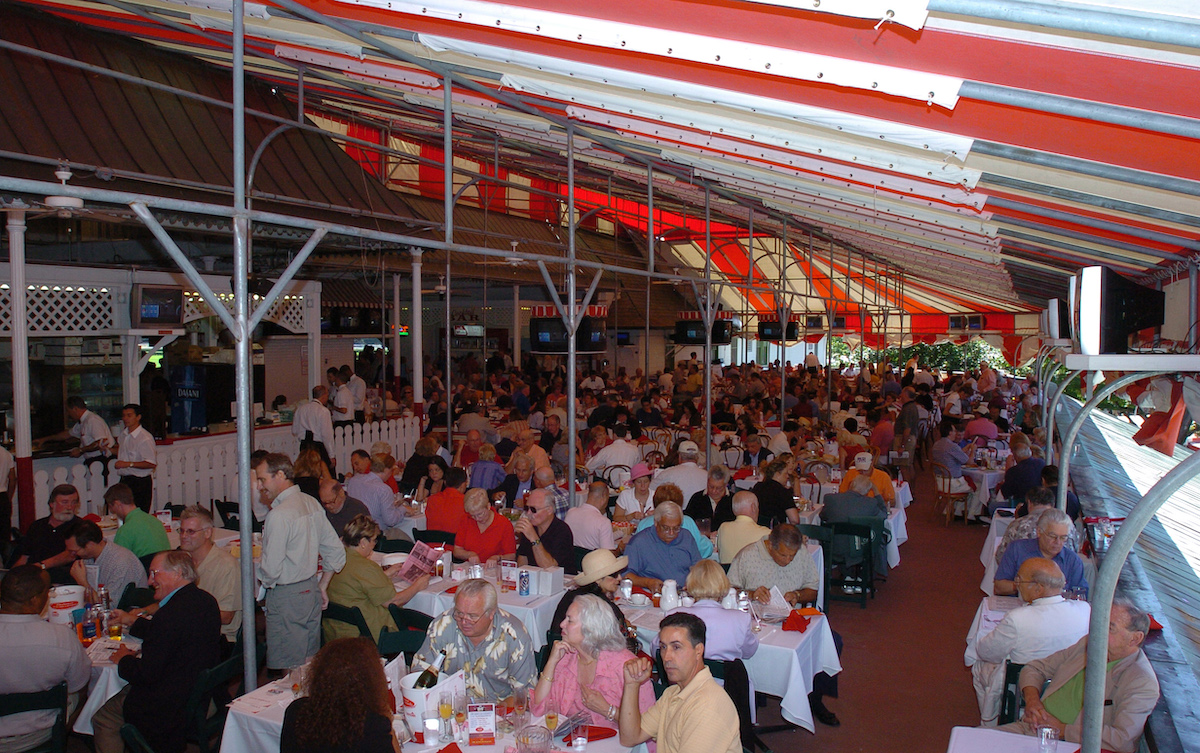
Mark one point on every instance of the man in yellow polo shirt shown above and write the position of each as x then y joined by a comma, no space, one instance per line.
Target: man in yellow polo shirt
1131,688
695,714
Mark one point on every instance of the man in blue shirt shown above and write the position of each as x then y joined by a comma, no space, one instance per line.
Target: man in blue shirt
666,552
1053,530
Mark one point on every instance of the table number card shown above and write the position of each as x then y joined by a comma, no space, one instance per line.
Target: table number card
481,724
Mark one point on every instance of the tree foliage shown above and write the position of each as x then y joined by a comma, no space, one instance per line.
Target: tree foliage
944,356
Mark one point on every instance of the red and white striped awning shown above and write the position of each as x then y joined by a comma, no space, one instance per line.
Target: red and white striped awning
696,316
551,312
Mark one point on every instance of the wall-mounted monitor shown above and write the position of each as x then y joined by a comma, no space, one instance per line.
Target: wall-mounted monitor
622,338
966,321
1109,308
775,331
156,306
549,335
1058,318
691,332
814,322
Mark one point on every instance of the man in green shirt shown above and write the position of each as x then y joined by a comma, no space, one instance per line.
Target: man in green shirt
1130,694
140,532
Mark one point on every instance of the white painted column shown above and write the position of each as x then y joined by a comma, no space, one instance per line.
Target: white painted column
516,327
418,347
18,324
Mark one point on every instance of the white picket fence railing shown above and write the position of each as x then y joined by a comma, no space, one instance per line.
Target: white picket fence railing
202,469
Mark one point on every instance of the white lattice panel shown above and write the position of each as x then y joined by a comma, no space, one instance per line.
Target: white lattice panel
54,309
287,311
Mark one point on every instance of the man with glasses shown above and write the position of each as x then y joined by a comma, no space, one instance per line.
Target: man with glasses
1053,532
542,538
217,572
181,641
1043,624
490,645
664,552
1131,687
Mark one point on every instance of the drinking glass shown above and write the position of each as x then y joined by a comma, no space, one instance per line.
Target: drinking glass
756,613
432,726
551,716
445,711
1047,738
579,737
460,710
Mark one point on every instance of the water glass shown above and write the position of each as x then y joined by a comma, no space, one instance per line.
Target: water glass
431,726
1047,738
579,737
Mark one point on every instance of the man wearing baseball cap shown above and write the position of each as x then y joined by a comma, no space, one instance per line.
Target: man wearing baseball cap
687,475
863,466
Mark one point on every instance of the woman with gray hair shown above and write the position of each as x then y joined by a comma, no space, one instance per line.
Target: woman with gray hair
585,670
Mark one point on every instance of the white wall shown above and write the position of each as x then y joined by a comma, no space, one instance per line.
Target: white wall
1176,324
335,351
286,360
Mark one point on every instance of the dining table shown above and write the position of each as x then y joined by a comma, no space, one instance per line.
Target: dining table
1001,520
105,682
991,740
255,723
986,479
989,614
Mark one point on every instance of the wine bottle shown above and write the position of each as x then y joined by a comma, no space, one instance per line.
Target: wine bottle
429,677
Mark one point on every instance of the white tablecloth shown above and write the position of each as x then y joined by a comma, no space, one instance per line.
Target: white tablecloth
985,740
412,523
897,525
255,723
534,612
105,682
985,481
987,555
990,612
783,666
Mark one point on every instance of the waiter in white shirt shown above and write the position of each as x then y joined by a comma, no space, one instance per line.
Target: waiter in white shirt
136,457
313,422
358,390
91,431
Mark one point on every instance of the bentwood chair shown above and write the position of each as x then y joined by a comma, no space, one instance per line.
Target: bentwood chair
945,501
54,699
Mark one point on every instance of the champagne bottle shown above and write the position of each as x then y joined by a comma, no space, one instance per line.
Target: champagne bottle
429,677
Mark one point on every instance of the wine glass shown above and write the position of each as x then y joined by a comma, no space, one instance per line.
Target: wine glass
551,716
460,710
445,710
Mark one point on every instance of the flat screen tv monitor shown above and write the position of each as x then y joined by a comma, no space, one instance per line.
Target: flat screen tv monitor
622,338
774,331
692,332
549,335
814,322
1058,318
1109,308
156,305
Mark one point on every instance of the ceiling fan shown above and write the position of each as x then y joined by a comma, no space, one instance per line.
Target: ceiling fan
71,207
513,261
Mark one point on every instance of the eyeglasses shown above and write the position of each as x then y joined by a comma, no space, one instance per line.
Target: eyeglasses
1055,537
193,531
670,529
469,618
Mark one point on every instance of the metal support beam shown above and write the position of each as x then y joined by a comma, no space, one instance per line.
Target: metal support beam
572,350
1102,593
1087,167
1051,412
1064,463
285,279
1085,19
241,333
185,265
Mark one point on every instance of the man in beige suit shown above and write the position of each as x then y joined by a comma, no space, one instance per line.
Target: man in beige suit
1131,688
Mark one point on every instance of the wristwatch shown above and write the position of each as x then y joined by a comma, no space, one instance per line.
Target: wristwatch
535,542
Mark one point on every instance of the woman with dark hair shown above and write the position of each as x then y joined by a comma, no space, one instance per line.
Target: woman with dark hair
434,479
745,426
775,503
345,706
418,464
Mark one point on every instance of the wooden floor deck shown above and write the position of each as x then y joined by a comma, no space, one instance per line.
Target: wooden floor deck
1111,473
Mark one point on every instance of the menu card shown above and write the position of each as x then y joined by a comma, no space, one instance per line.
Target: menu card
420,562
481,724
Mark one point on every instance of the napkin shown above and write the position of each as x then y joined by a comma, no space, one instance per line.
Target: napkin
777,600
644,592
796,622
594,733
451,589
742,473
808,611
451,748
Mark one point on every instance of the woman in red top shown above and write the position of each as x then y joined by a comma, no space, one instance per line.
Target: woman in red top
483,536
444,510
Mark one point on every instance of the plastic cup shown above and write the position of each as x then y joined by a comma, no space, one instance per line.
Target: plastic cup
579,737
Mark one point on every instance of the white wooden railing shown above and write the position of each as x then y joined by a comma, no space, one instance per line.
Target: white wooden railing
201,469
